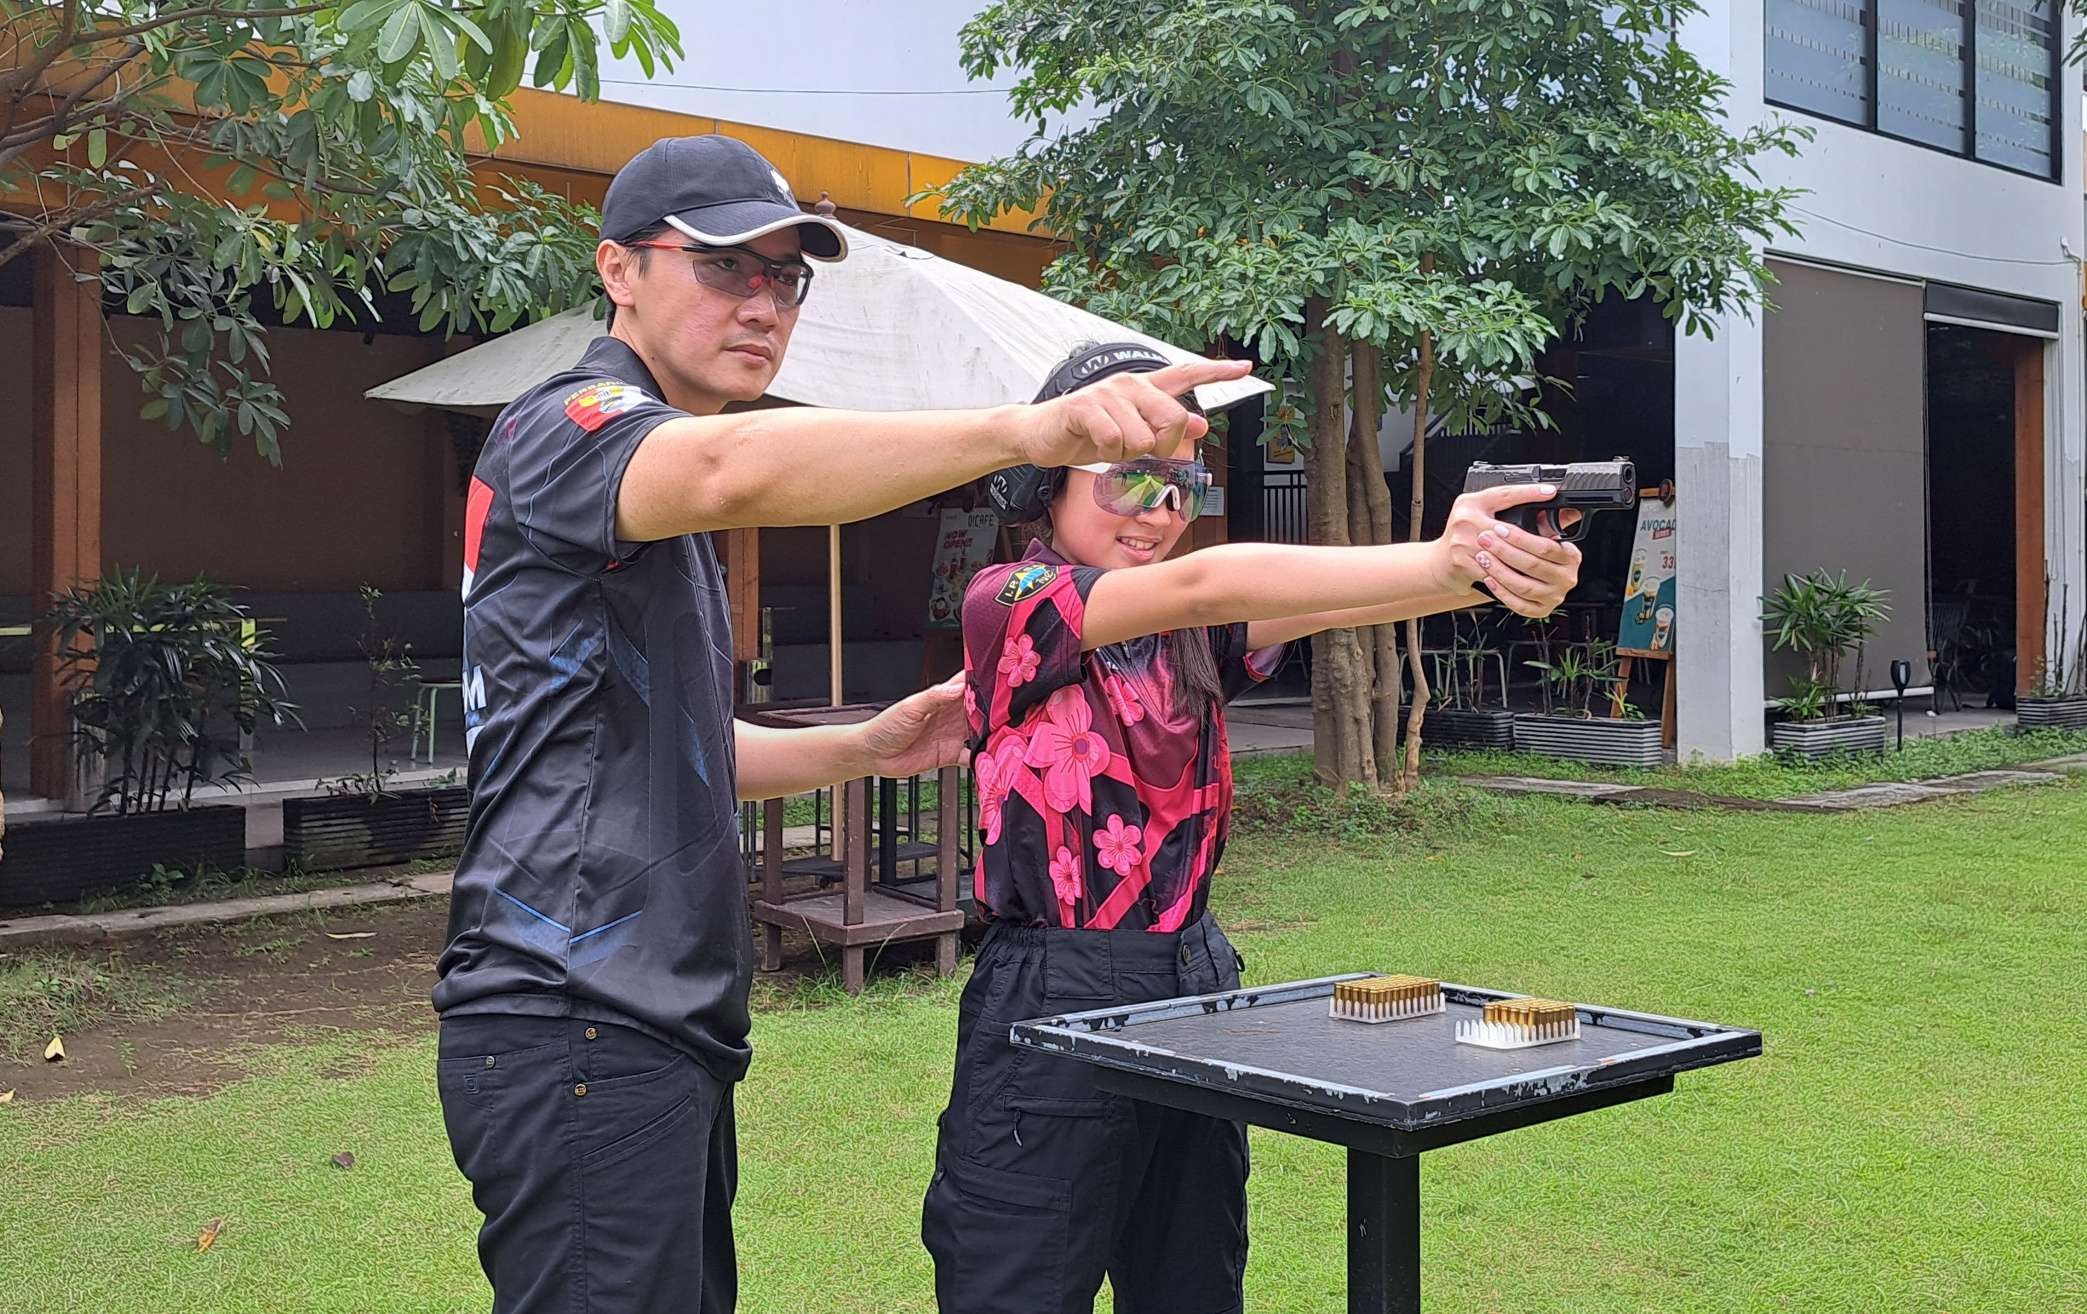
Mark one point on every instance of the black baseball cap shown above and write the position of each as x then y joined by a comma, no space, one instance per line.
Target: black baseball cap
714,189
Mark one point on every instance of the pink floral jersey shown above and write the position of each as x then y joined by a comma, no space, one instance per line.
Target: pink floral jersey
1099,807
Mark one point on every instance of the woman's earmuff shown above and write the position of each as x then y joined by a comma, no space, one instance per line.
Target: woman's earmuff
1023,493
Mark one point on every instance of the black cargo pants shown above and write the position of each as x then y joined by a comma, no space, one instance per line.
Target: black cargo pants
1043,1182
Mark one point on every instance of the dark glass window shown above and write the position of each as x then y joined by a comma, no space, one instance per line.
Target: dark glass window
1977,78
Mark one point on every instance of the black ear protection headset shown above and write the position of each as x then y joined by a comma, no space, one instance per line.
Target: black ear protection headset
1022,493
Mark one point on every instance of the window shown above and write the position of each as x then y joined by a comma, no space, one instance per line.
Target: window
1920,71
1977,78
1817,57
2016,79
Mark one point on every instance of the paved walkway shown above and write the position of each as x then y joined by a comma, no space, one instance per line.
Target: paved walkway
1256,728
65,928
1858,799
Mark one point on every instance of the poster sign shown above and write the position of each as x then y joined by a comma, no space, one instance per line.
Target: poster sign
965,542
1648,590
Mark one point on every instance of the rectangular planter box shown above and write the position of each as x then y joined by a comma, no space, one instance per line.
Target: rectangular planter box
1597,739
2051,713
68,857
325,834
1812,740
1485,727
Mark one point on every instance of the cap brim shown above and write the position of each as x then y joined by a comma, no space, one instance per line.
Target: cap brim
743,221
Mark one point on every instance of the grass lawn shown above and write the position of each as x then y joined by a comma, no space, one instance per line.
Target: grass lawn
1900,1147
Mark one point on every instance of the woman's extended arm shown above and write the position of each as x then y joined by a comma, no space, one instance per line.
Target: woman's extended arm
1285,591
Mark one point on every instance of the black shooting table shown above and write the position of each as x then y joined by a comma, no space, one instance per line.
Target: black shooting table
1388,1091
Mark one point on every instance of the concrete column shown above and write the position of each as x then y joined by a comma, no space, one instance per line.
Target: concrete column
2065,472
1717,479
2065,378
1717,465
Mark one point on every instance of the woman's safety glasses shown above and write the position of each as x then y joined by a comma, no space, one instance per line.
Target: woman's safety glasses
739,272
1126,488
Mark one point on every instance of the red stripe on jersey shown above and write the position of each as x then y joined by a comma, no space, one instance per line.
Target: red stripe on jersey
477,505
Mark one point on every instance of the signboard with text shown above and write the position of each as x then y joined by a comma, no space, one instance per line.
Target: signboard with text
1648,589
964,543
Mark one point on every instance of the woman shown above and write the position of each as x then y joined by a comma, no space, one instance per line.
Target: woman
1097,673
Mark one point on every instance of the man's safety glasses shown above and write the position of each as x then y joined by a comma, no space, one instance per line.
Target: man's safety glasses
1126,488
739,272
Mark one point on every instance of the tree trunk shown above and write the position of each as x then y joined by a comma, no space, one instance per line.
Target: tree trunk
1340,712
1369,519
1423,378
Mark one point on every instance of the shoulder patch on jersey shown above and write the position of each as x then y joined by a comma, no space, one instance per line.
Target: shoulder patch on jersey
1026,582
596,404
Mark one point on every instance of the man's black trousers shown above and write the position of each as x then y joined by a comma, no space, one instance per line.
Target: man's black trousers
603,1160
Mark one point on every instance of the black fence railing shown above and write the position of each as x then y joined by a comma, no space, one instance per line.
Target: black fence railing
1283,507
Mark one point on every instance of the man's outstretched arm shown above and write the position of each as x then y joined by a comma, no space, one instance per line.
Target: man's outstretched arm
916,734
804,465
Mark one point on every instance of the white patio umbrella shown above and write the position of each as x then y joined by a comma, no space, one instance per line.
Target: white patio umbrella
891,328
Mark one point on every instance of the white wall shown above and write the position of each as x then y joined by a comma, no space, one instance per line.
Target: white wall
801,53
1889,207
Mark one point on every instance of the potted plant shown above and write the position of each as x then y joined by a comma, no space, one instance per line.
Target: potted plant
2057,698
1825,618
1457,714
364,819
163,681
1568,727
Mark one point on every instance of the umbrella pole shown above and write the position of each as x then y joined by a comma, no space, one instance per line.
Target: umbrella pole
833,645
833,604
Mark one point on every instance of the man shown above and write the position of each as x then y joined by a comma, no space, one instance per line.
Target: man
594,992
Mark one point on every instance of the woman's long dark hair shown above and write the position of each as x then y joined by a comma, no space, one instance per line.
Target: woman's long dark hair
1197,685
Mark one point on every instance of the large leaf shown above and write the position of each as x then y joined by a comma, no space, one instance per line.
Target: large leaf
510,58
463,23
365,14
401,33
441,46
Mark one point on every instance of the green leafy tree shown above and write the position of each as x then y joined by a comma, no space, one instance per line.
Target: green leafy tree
222,155
1389,204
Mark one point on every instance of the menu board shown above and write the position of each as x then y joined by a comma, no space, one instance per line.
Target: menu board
1648,590
964,543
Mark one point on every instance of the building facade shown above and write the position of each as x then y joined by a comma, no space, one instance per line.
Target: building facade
1910,407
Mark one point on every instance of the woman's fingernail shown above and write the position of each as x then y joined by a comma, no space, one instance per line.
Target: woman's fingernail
1486,559
1550,490
1485,538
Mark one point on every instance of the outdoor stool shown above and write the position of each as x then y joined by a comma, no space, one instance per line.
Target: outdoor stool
427,701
